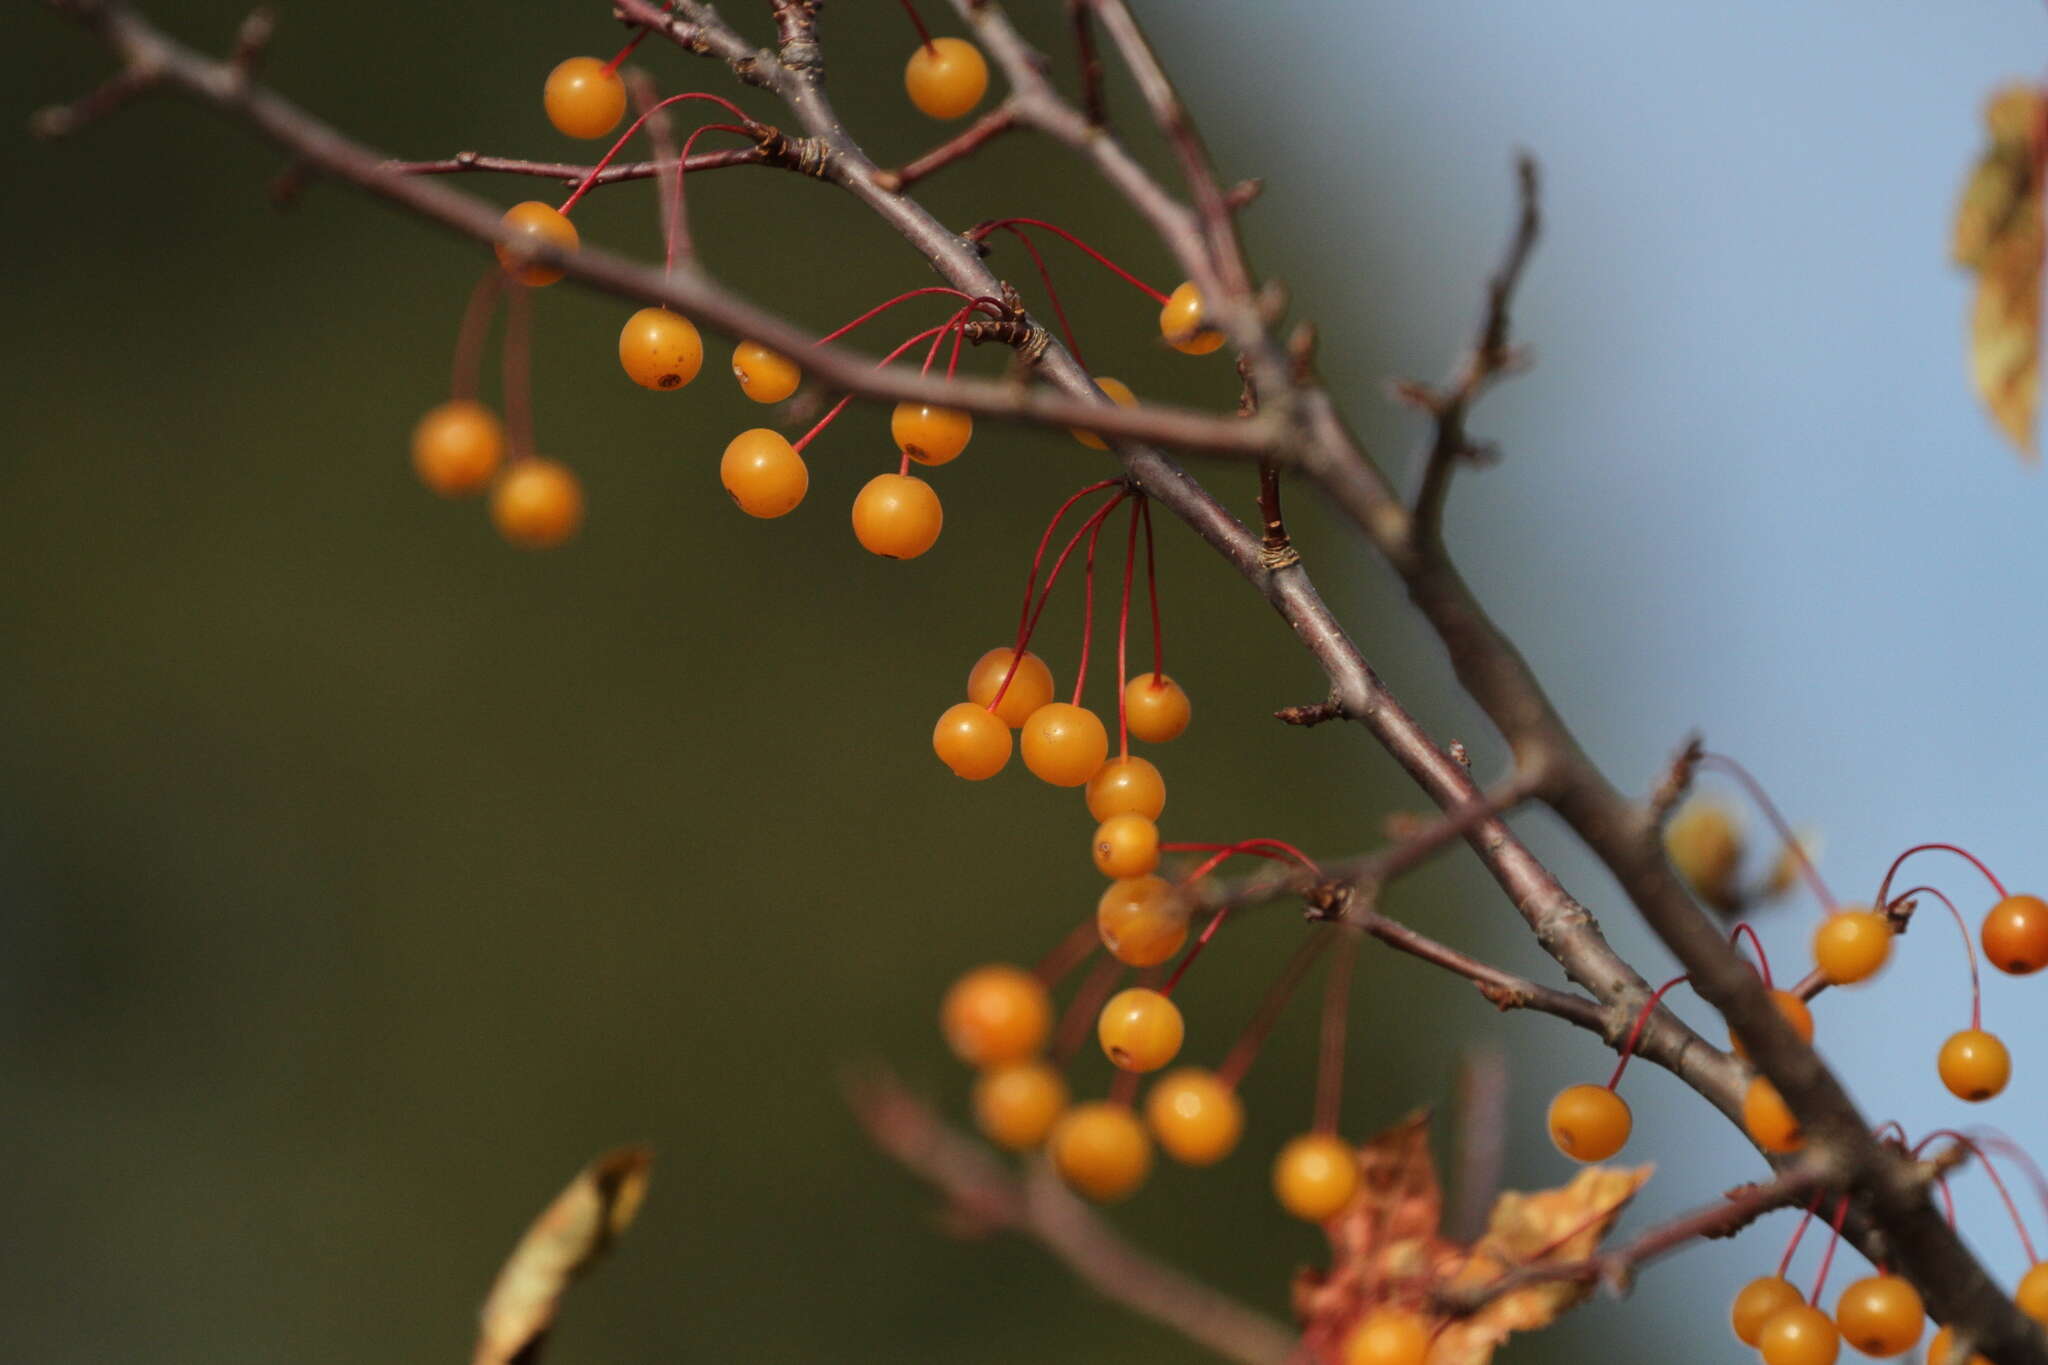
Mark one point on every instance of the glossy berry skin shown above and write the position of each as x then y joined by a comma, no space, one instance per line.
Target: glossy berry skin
1101,1150
2032,1295
2016,935
1974,1065
897,516
1156,708
1015,1106
1126,785
1799,1335
1589,1122
1063,744
946,78
1180,322
928,434
995,1015
971,741
1388,1336
531,227
537,505
1938,1351
457,447
764,473
1140,1030
1029,690
1851,946
1315,1176
1194,1116
660,350
1794,1012
1881,1315
1118,393
765,376
1769,1121
1125,846
1757,1302
584,98
1141,919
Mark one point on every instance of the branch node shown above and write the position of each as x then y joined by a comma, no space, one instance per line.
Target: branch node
252,41
1310,715
1243,192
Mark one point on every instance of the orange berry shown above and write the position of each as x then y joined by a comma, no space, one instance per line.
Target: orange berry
897,516
1881,1315
765,376
533,227
1155,708
1799,1335
1794,1012
1851,945
1125,846
660,349
1180,322
1974,1065
946,77
1704,843
1315,1176
1101,1150
584,98
930,435
763,473
1129,784
1589,1122
995,1015
1938,1351
2016,935
1757,1302
1388,1336
456,447
971,741
1140,1029
537,505
1195,1117
1015,1106
1063,744
1118,393
2032,1295
1142,920
1768,1118
1029,690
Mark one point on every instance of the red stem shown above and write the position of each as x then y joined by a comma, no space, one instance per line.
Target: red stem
1771,813
516,376
469,339
983,230
1082,1009
1024,617
625,137
1974,860
2005,1194
1820,1282
1069,953
1336,1024
1087,599
1051,292
1969,946
678,217
904,297
611,67
924,35
1152,589
1628,1048
1757,946
1785,1261
1123,631
829,418
1208,865
1246,1049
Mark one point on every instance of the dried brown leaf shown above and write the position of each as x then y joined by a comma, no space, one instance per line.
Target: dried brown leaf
1999,236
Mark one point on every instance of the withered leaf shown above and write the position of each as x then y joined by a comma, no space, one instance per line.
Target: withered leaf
571,1233
1998,235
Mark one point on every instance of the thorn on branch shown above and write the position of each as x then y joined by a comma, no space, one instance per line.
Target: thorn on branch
288,184
1311,715
1244,192
1301,354
62,120
252,41
1677,780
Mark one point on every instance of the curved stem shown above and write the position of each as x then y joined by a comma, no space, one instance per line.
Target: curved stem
1969,945
1793,847
1635,1033
1973,860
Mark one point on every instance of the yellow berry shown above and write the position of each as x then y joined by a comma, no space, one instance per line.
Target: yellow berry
1063,744
1118,393
1155,708
660,349
897,516
1180,322
1030,689
765,376
530,228
1794,1012
995,1015
1880,1315
1799,1335
1757,1302
946,77
1140,1029
1125,846
537,505
1851,945
2032,1295
456,448
1769,1119
1101,1150
2016,935
971,741
1142,920
928,434
1129,784
1938,1351
1015,1106
1388,1336
764,473
584,98
1589,1122
1704,843
1194,1116
1974,1065
1315,1176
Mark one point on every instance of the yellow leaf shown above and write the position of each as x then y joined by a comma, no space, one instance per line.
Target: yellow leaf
1998,234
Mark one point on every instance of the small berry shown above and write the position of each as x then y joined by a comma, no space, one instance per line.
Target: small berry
1704,843
1974,1065
1194,1116
1881,1315
764,473
765,376
971,741
897,516
533,227
1180,322
1140,1029
1799,1335
930,435
1155,708
584,98
1589,1122
1118,393
1769,1120
1128,784
945,77
1126,846
1142,920
1101,1150
1029,690
1315,1176
1794,1012
1759,1300
1015,1106
1063,744
660,349
1851,945
2016,935
537,505
1938,1351
2032,1295
456,448
1388,1336
995,1015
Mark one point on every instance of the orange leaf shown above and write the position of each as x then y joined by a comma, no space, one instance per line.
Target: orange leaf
1998,235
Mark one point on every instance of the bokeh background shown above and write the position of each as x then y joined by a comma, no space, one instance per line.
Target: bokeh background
359,877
